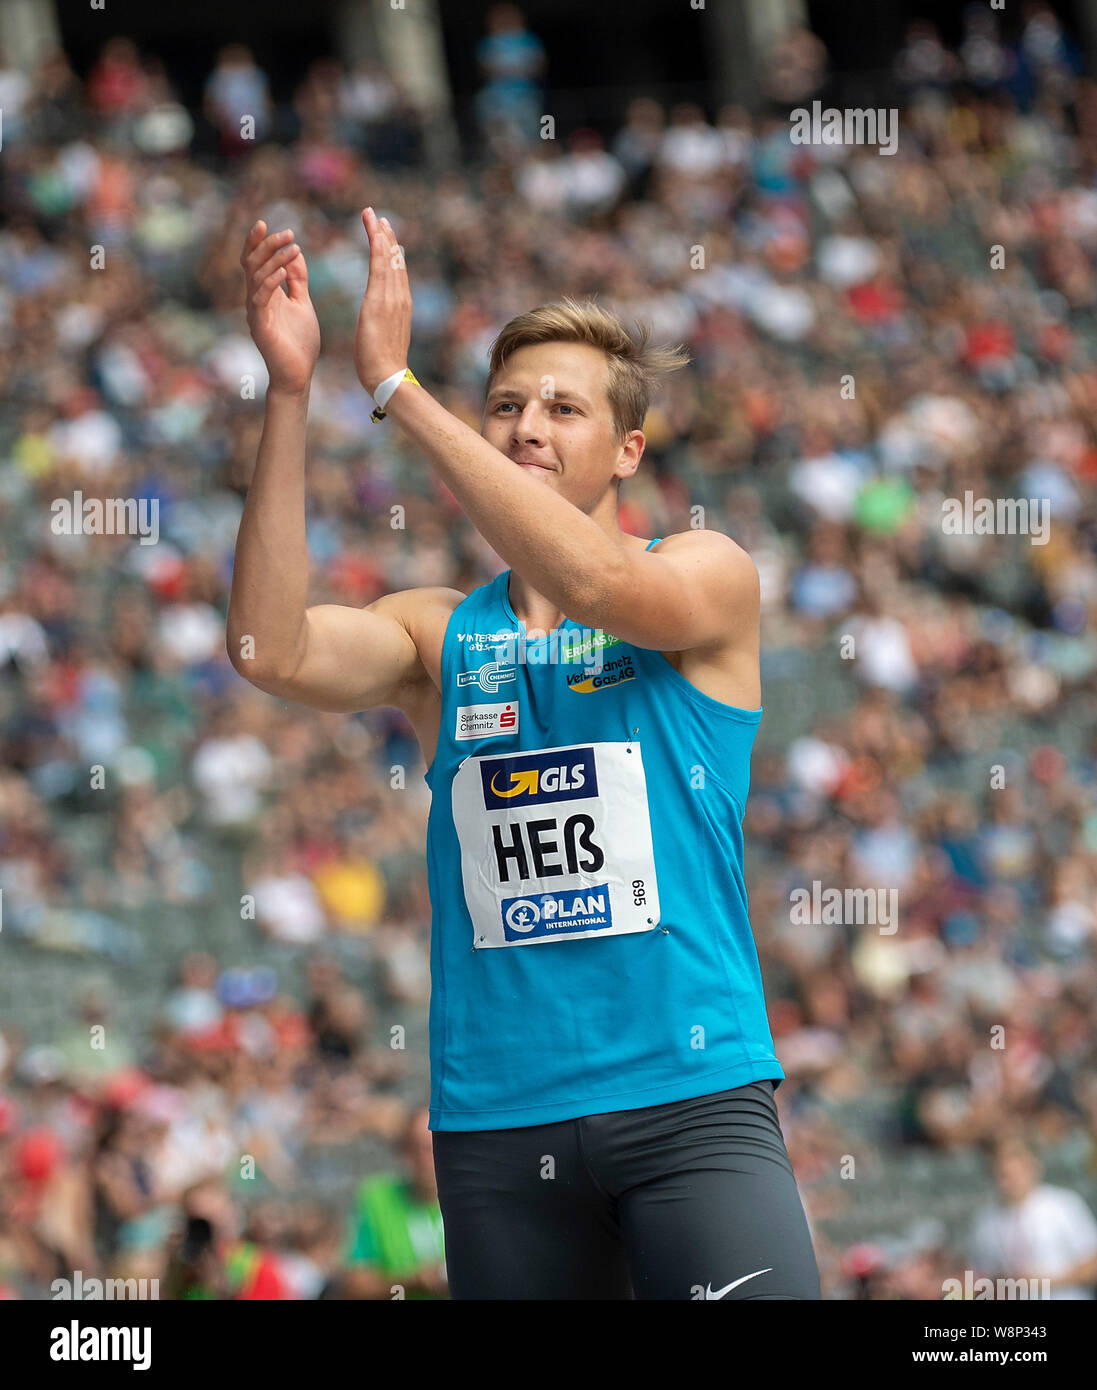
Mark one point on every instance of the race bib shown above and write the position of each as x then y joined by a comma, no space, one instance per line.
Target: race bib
556,844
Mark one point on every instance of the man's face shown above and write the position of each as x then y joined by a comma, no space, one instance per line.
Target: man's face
548,411
1016,1175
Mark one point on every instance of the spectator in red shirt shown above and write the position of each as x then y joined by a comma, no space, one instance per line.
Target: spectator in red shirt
118,85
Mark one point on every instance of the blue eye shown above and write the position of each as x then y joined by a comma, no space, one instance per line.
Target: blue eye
503,405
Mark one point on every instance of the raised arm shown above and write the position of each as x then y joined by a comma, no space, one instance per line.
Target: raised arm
329,657
270,569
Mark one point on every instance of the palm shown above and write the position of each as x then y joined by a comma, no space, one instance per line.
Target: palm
283,323
383,333
287,333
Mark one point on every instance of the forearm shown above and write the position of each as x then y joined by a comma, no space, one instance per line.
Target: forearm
554,546
270,568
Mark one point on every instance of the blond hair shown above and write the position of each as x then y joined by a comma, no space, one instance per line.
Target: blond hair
636,368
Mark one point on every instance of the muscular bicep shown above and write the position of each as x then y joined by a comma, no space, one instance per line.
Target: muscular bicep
356,658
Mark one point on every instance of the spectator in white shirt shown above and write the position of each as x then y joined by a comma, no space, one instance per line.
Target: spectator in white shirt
1035,1231
231,769
690,145
593,178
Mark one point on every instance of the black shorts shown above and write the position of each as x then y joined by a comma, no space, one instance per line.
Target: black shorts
693,1199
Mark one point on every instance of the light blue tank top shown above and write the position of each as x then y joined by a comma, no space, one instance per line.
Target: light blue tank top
591,947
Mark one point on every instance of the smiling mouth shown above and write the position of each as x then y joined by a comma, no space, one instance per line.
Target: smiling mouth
537,467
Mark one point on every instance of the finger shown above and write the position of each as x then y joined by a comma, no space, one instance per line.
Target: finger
297,277
395,252
280,258
266,248
378,258
388,236
377,229
252,240
368,222
383,242
262,295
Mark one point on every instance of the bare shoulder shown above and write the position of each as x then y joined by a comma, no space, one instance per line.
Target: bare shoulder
721,564
412,605
704,543
725,669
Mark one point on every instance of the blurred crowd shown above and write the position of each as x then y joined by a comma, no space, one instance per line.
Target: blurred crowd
871,335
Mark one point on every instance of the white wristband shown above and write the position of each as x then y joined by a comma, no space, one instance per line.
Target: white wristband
384,392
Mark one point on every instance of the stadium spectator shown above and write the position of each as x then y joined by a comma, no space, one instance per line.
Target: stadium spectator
237,100
512,60
396,1234
1035,1230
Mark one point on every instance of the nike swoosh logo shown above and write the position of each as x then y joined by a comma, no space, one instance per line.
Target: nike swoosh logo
734,1284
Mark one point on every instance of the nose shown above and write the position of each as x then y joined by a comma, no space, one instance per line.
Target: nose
528,427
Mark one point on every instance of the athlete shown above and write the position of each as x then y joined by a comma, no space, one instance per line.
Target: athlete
602,1071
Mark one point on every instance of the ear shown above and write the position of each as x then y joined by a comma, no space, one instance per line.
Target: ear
631,452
